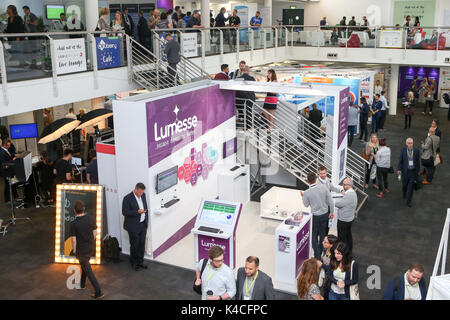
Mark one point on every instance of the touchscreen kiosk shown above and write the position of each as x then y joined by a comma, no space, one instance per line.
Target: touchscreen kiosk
216,225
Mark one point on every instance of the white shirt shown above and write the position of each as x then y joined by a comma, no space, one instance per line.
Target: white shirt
219,281
412,292
378,89
339,276
384,101
71,116
141,206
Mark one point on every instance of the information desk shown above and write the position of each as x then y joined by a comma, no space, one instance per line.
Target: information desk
216,225
292,247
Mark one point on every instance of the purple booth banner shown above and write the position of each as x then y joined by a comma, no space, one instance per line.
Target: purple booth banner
302,246
406,77
205,243
343,115
176,121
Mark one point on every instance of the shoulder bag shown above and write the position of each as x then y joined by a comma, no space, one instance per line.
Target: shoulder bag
364,155
198,289
354,289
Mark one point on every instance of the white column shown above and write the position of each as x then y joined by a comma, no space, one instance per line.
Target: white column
91,9
268,5
393,88
205,13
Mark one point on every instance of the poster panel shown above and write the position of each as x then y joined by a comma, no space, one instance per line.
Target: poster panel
70,56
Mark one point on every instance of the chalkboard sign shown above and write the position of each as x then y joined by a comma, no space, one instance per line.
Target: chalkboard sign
66,196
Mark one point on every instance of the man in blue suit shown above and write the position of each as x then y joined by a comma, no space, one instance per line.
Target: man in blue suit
408,286
134,209
376,113
408,167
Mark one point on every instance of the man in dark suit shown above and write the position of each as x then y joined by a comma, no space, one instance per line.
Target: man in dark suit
128,22
252,283
134,209
5,157
408,167
408,286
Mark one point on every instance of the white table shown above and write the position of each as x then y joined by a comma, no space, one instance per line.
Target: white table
279,203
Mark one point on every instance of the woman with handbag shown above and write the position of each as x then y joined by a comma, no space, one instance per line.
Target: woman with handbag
328,242
408,109
307,288
343,274
370,149
383,158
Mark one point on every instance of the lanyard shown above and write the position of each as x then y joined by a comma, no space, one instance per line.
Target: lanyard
208,278
414,291
340,274
247,288
410,153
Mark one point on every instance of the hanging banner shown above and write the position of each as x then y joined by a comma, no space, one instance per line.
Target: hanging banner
108,52
70,56
343,115
174,122
390,39
190,44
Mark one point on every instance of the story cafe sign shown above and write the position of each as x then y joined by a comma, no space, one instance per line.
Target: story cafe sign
70,56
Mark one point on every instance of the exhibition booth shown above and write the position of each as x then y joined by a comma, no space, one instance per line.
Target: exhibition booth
182,143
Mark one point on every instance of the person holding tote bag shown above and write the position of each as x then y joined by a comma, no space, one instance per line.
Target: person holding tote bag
343,274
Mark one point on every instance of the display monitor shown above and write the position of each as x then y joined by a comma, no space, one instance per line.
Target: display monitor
53,11
77,161
229,147
22,131
166,179
217,213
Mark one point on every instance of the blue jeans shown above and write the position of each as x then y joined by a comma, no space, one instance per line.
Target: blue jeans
351,134
375,123
334,296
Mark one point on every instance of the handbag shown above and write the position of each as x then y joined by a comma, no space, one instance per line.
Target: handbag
438,160
196,288
364,155
354,289
321,280
391,169
373,172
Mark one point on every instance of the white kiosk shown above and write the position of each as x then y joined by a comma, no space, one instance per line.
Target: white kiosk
292,247
216,225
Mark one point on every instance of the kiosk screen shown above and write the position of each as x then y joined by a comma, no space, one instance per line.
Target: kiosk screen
217,213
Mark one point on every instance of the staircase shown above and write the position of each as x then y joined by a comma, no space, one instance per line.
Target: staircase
298,151
152,72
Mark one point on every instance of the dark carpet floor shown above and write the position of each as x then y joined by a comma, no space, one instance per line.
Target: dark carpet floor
387,234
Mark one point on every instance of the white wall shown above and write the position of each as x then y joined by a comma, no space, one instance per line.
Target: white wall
377,12
27,117
38,94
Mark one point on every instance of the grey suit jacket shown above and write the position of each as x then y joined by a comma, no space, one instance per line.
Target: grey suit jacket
262,290
430,146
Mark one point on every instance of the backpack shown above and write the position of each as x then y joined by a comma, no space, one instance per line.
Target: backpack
110,249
